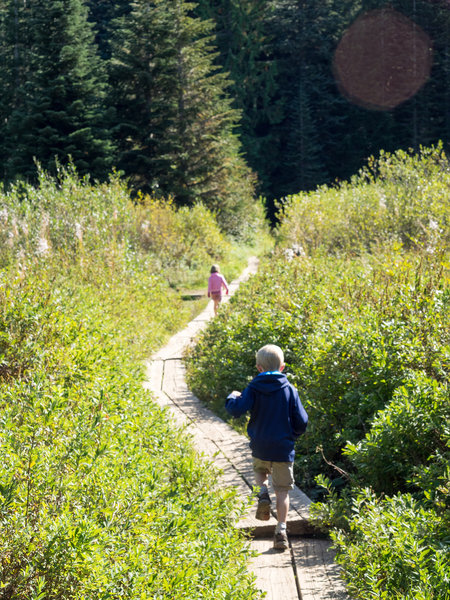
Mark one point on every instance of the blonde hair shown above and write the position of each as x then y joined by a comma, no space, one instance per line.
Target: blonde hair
270,357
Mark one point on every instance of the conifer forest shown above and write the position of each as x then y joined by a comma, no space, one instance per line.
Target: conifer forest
218,99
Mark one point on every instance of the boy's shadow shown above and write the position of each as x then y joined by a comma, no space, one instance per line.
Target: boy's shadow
273,550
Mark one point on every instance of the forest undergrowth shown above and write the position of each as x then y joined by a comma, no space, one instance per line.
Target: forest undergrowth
357,294
101,496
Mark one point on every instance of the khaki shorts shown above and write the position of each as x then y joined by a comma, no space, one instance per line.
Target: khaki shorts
282,473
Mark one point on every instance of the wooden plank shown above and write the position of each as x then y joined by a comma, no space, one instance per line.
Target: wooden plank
318,574
273,571
154,375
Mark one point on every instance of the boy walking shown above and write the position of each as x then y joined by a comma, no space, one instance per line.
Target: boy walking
277,418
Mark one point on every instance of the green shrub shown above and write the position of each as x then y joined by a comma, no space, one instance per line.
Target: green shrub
100,496
352,331
405,435
77,221
400,197
395,549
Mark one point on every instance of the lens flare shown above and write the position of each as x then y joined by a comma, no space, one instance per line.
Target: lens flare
382,60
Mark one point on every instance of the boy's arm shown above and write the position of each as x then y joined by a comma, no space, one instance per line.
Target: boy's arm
299,417
237,404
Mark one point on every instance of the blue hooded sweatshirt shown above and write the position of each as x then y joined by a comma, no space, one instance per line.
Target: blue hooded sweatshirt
277,416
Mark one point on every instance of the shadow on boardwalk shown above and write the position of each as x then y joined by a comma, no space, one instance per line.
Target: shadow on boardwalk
306,571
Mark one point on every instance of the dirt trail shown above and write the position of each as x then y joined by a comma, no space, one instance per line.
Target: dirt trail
304,572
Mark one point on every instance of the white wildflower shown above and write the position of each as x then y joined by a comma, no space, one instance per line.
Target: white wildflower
43,247
4,215
293,251
433,225
45,222
14,228
24,227
298,250
289,254
79,231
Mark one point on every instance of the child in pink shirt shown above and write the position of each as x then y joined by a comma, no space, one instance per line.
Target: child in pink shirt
215,283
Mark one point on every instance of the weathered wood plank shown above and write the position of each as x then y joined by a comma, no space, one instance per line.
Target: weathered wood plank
273,571
318,574
154,375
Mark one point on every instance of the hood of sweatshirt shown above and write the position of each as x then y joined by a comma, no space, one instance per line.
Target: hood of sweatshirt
268,383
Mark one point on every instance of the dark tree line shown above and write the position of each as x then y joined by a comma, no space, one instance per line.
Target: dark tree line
191,100
298,130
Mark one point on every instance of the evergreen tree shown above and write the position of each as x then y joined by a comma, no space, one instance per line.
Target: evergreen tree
302,155
61,86
424,119
14,66
305,35
245,53
175,121
103,13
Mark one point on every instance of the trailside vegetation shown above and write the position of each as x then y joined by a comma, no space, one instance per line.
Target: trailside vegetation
357,294
53,87
100,494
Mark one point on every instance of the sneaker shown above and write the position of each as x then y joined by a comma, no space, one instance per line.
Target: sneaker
263,509
280,540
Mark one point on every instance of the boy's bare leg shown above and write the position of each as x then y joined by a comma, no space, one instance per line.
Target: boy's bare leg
282,505
280,540
263,508
262,480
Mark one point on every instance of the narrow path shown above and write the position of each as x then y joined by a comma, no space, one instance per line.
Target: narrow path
307,570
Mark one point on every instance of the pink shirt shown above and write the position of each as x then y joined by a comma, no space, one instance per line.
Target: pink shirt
215,283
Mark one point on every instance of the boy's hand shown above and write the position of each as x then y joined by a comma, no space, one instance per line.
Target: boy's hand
235,393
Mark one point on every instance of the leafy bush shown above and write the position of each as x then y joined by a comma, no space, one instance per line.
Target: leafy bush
404,436
99,495
352,330
400,197
74,219
396,548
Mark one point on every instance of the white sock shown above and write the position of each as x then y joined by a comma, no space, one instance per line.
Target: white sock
280,527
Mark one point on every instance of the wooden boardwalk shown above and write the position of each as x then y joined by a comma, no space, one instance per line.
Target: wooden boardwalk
304,572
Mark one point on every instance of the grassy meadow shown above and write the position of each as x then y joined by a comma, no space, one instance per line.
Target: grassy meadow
357,294
100,495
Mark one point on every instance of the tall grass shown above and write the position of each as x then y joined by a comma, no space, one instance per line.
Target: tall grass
401,197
